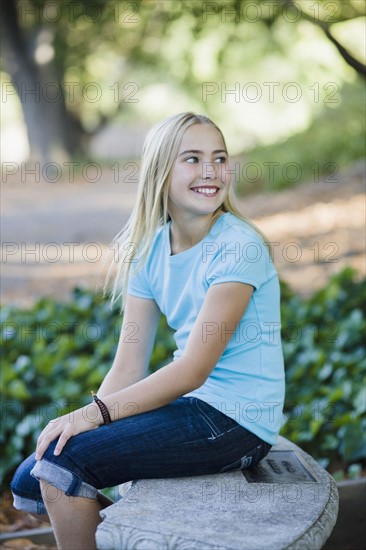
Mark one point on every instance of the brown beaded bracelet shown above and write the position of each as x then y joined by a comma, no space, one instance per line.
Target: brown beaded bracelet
103,409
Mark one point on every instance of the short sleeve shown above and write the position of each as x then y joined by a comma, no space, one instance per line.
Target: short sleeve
138,285
243,259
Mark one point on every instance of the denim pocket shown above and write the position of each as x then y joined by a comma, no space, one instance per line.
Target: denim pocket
212,420
250,459
203,412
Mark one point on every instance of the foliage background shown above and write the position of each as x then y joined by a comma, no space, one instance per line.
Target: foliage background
133,63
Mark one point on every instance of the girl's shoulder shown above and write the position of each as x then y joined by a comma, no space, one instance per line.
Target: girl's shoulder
233,227
158,237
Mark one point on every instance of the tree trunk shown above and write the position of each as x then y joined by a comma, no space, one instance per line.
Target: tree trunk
53,135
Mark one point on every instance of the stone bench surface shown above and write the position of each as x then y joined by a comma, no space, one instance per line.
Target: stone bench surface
288,502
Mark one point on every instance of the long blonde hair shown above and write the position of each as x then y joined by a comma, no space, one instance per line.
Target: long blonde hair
150,212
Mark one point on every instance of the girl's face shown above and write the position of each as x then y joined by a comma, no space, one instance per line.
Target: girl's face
200,176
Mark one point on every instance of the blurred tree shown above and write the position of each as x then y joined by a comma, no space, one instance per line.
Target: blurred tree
53,51
33,57
333,12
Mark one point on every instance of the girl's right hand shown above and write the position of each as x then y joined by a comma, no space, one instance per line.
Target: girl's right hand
66,426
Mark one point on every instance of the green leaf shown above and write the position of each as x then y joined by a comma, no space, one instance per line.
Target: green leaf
360,401
18,390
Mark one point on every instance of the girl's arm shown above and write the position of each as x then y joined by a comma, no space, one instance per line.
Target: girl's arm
222,310
136,342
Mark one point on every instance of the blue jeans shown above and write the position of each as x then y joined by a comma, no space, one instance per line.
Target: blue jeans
188,437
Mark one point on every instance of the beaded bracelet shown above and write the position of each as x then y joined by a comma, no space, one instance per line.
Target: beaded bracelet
103,409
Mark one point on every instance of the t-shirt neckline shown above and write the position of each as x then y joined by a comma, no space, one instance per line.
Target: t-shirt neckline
192,248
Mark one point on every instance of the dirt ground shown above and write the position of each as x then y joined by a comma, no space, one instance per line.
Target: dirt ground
56,235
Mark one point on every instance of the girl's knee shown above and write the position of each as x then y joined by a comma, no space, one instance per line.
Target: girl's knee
23,483
26,490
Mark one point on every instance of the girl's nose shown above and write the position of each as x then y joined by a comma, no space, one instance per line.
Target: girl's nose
209,171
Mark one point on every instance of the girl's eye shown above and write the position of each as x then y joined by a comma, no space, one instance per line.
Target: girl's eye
194,160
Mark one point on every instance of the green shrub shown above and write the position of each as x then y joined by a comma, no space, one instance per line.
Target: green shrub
324,348
54,354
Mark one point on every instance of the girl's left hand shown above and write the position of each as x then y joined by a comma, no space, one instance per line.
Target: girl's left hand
66,426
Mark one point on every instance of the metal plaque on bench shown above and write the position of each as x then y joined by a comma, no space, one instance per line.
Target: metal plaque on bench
280,467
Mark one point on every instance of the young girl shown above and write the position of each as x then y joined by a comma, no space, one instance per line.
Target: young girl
217,407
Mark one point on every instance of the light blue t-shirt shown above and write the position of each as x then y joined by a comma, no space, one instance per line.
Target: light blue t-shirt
247,383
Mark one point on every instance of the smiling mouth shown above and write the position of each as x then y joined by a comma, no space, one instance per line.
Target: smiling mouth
207,191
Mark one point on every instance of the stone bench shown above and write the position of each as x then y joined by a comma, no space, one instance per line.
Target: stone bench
287,502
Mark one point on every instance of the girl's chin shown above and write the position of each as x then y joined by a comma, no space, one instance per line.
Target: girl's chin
198,207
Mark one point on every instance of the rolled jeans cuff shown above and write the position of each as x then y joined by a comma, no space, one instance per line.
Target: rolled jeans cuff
63,479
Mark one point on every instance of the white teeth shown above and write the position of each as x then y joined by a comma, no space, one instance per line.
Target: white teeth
205,190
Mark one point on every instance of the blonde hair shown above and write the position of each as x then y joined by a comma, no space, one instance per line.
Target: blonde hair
150,212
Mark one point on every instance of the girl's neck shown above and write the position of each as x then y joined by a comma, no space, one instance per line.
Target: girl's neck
185,234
